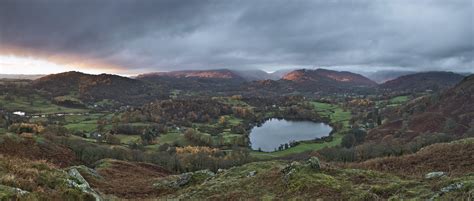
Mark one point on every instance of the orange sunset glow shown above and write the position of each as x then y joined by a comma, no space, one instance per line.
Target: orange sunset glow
11,64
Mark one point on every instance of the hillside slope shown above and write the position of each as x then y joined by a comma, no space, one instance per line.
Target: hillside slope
327,77
277,180
453,157
25,179
451,112
423,81
319,81
199,80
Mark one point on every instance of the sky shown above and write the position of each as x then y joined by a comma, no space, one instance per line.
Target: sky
131,37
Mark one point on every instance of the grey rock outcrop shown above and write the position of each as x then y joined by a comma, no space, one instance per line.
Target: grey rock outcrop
77,181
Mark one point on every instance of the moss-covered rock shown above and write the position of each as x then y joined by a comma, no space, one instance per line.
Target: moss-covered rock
11,193
314,163
24,179
76,180
189,178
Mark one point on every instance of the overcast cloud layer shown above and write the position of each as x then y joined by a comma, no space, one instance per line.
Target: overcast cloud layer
160,35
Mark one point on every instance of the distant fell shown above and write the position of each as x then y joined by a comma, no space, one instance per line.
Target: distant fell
329,76
92,88
423,81
218,74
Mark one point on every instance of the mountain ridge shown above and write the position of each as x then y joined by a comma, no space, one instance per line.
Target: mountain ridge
92,88
432,80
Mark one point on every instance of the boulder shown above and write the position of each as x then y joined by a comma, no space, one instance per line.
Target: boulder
313,162
252,173
77,181
177,181
434,175
452,187
289,170
205,172
447,189
11,193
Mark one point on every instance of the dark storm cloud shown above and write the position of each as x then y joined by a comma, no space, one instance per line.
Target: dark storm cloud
190,34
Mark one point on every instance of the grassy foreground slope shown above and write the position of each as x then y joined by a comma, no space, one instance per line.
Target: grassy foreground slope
24,179
371,180
301,182
29,179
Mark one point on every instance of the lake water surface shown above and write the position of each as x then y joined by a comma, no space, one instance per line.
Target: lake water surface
274,132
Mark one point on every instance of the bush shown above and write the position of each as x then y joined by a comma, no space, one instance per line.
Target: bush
20,128
338,154
112,139
348,140
56,130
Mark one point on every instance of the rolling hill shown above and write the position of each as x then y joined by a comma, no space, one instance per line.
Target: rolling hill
92,88
451,112
217,74
199,80
423,81
323,76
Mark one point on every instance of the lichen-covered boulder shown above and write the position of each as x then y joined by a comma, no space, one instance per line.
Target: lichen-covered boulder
452,187
289,170
77,181
11,193
433,175
177,181
314,163
252,173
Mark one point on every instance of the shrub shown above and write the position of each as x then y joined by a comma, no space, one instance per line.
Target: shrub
56,130
20,128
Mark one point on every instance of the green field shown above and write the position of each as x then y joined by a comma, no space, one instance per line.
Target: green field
84,126
170,138
36,105
395,101
231,101
335,113
126,139
83,123
173,137
398,100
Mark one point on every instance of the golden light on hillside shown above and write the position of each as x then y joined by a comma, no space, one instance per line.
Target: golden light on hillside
11,64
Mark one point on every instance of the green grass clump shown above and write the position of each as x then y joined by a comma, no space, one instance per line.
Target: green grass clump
398,100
